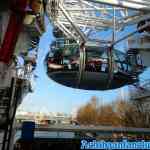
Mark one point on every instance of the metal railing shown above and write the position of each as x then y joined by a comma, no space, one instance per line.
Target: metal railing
142,91
24,72
91,129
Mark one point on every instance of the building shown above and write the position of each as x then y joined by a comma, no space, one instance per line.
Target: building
42,118
141,94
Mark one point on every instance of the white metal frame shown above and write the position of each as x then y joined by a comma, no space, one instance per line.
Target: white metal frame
81,19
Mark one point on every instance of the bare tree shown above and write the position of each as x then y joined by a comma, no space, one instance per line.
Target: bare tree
120,113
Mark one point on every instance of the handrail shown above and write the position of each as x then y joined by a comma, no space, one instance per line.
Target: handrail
24,74
93,129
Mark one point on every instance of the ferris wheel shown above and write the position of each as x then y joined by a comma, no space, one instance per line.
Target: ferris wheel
94,27
83,19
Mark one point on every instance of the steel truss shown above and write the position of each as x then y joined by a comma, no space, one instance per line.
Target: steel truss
86,20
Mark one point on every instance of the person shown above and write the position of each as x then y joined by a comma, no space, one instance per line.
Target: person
58,57
31,58
20,60
20,65
104,67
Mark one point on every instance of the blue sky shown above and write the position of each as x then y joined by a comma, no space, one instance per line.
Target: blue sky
55,97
